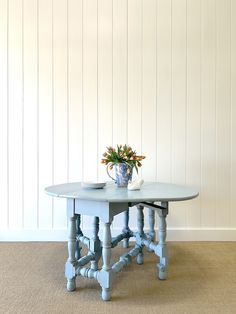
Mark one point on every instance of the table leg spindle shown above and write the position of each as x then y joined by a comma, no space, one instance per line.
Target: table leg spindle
151,223
162,266
126,228
95,242
106,272
79,232
140,225
71,253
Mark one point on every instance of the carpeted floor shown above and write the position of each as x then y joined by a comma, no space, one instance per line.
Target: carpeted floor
201,279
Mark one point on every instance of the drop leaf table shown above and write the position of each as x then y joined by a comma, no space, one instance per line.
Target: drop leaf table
104,204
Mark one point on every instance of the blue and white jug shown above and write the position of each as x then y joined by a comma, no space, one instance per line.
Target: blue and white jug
123,174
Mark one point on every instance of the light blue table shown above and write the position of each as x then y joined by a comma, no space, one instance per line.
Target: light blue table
104,204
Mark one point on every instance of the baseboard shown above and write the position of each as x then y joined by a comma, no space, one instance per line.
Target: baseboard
173,234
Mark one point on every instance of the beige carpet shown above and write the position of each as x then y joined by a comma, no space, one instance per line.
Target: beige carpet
201,279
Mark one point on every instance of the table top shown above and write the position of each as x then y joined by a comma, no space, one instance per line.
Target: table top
150,191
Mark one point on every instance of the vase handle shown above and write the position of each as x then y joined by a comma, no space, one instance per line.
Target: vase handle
109,174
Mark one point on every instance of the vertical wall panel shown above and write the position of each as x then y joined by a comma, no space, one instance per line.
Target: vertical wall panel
120,72
135,83
149,89
89,95
75,68
15,114
60,106
149,39
193,110
45,109
164,91
120,77
164,116
104,81
77,76
30,77
179,101
233,113
90,89
208,115
223,112
3,114
135,74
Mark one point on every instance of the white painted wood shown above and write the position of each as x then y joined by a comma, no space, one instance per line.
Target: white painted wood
164,90
45,111
30,113
141,52
15,107
75,94
120,88
149,97
105,81
60,106
193,109
3,114
149,88
179,105
134,136
135,75
90,90
223,112
208,114
233,113
120,78
89,94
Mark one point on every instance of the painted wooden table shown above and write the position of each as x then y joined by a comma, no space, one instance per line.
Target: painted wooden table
104,204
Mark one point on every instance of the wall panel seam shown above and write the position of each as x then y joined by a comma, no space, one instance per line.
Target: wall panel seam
186,103
7,113
215,95
156,148
171,132
141,111
37,113
127,69
67,88
52,109
82,89
97,101
23,113
112,77
200,188
231,111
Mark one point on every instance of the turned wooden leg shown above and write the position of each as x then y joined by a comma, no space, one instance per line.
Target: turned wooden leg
151,217
78,232
106,274
95,243
126,228
140,225
162,266
71,254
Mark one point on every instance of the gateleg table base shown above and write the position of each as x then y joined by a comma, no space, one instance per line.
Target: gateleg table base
76,264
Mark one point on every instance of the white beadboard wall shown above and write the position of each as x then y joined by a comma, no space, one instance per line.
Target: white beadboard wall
78,75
